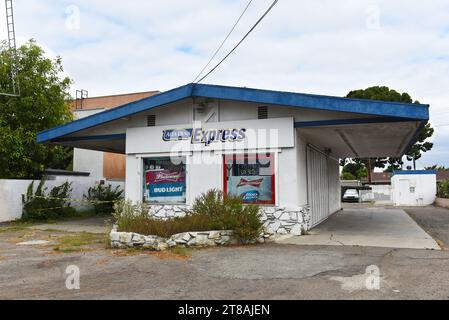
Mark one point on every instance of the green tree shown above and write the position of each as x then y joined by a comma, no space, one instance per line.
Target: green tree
356,169
437,168
414,152
42,104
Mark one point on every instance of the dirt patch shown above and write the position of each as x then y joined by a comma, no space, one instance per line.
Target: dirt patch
102,261
172,254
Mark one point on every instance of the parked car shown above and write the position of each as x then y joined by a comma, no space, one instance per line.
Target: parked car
351,195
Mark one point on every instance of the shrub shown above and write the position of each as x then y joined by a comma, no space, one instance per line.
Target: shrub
443,190
230,213
348,176
103,198
135,218
41,206
211,211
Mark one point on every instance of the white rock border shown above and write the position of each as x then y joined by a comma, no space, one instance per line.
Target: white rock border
125,240
202,239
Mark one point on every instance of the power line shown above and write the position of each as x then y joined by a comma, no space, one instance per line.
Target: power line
241,41
224,41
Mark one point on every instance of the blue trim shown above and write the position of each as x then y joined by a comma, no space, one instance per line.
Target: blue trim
339,122
108,137
116,113
370,107
320,102
414,172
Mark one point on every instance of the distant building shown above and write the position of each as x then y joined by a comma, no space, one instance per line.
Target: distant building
102,165
384,178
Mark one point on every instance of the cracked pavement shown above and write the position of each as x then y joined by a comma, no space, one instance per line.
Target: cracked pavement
272,271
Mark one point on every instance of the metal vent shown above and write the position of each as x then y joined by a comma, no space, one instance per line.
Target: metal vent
262,112
151,120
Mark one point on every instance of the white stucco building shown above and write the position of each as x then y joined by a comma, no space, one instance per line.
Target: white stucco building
277,149
414,188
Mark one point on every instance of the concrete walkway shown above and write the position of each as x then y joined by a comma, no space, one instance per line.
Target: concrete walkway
368,227
96,225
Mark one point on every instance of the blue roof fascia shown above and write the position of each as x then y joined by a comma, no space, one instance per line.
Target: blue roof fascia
116,113
404,172
339,122
108,137
386,109
320,102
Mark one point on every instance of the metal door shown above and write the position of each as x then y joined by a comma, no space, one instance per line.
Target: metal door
318,185
404,192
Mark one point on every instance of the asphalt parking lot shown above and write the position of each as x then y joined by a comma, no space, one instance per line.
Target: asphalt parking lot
274,271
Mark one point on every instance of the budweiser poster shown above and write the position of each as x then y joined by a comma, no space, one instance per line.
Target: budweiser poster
163,184
252,189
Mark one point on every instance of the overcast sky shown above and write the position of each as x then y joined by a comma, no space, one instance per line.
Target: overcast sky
313,46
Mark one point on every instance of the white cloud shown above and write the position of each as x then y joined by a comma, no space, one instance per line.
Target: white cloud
314,46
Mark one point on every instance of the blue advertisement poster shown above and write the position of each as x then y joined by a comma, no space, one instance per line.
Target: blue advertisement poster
251,188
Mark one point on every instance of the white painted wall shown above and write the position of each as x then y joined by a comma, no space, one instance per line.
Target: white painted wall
334,185
87,160
380,194
260,134
425,189
202,177
288,193
301,173
11,192
181,112
205,164
134,178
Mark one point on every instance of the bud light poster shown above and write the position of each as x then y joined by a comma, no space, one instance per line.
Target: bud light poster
253,189
166,185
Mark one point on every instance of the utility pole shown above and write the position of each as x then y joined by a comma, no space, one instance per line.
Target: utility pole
13,49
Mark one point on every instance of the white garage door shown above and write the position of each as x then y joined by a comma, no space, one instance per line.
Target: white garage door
323,185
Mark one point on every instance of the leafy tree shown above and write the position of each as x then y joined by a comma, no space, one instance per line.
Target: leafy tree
415,152
394,164
43,103
437,168
356,169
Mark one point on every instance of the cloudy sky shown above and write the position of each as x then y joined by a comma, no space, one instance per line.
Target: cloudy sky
314,46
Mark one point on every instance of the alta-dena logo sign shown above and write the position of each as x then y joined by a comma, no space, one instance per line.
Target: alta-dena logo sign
205,136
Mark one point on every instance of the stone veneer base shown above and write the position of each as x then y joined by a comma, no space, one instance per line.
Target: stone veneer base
277,220
124,240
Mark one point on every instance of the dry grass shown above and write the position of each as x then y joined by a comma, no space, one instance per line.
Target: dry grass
77,242
148,226
15,227
172,254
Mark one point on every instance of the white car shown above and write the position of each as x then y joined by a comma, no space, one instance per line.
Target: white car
351,195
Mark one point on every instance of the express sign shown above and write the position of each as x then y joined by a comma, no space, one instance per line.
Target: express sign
205,136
